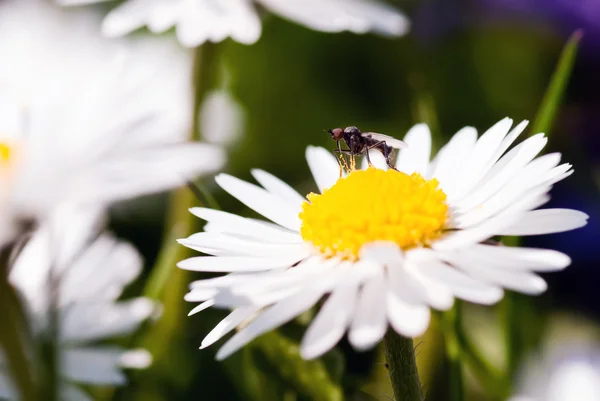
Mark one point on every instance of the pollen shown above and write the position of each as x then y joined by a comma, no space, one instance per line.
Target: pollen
374,205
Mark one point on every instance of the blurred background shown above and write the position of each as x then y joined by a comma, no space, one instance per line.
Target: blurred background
464,62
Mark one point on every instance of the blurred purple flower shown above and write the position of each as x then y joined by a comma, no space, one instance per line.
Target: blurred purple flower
568,15
435,17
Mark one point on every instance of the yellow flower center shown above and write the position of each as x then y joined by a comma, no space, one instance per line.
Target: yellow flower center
5,153
374,205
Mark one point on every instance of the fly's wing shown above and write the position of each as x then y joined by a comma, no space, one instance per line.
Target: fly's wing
389,141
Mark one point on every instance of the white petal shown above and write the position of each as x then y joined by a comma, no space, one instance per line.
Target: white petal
233,280
226,264
461,285
101,272
383,252
98,366
227,280
331,322
162,16
520,281
201,21
277,187
334,15
124,19
557,174
509,139
527,283
323,166
233,224
234,319
506,168
230,299
519,258
369,323
310,270
78,2
203,306
261,201
513,203
406,319
137,173
274,287
545,221
89,272
413,287
201,295
481,158
230,245
450,158
404,277
88,322
475,234
415,158
535,178
135,359
271,318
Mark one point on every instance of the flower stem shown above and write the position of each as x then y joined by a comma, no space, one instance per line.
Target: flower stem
14,332
451,323
400,356
179,221
50,386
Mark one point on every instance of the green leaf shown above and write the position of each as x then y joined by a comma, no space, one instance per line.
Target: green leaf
554,93
309,378
255,379
335,363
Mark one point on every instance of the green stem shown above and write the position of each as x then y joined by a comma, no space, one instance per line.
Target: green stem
52,354
14,332
400,356
179,221
451,322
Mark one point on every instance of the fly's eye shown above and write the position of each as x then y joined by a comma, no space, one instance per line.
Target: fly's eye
337,133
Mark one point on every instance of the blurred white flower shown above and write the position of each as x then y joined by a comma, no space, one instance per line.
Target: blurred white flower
382,246
564,372
221,118
198,21
87,119
68,265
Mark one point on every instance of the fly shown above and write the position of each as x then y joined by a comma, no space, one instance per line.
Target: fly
360,143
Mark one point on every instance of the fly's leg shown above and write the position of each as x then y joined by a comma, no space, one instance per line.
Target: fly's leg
385,150
341,159
368,158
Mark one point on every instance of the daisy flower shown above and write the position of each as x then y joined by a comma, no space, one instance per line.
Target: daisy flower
564,373
86,119
198,21
381,246
67,264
